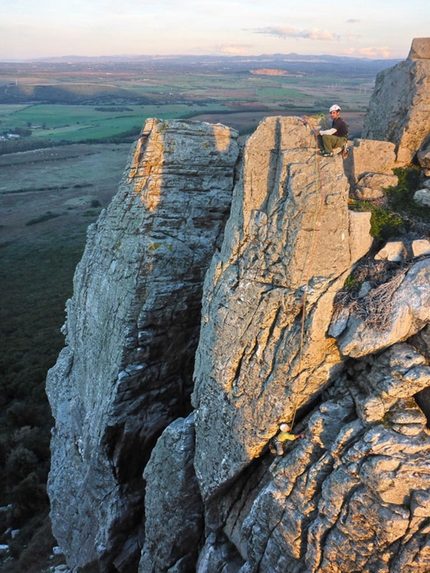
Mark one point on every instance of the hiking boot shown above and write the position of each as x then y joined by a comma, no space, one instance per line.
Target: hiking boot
279,448
272,447
326,154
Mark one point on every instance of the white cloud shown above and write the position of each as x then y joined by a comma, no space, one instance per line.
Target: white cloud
234,49
286,32
375,52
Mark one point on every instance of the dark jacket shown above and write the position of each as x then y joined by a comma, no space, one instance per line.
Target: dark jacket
340,127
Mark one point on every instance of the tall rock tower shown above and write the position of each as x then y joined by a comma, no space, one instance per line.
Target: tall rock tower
399,109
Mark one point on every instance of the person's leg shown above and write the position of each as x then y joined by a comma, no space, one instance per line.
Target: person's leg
329,142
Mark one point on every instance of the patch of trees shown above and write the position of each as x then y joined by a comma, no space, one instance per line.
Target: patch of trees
85,94
27,144
35,282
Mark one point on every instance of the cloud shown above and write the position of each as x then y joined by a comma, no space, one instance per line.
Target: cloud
352,21
286,32
375,52
234,49
370,52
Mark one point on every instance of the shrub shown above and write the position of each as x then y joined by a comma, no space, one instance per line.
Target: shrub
20,462
384,223
28,497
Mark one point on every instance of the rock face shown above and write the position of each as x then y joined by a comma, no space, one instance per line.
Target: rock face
274,345
399,109
353,495
289,234
132,328
173,505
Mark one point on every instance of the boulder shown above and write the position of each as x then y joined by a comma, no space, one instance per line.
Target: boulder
371,186
422,197
394,251
420,247
368,159
132,329
400,103
392,314
268,296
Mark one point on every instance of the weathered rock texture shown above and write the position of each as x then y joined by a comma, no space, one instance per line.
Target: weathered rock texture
174,507
275,345
353,494
399,109
407,309
289,233
132,328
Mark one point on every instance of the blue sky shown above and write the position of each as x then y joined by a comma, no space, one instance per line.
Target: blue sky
369,28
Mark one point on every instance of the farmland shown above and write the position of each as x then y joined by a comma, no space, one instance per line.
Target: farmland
104,101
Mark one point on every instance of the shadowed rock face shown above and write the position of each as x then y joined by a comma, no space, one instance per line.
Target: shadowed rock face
132,329
400,103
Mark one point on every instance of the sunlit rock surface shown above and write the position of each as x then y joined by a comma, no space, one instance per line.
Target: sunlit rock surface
399,108
275,344
289,231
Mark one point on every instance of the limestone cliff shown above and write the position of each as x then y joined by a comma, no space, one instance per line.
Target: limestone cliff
399,109
187,382
132,329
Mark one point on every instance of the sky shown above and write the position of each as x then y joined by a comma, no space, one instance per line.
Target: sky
363,28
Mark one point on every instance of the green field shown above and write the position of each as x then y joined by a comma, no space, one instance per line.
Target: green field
89,102
77,123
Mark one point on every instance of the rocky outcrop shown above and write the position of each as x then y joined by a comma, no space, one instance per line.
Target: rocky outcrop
395,311
277,343
369,168
399,109
288,235
132,329
353,494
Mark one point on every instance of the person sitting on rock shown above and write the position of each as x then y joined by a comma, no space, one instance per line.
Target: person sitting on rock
276,445
336,136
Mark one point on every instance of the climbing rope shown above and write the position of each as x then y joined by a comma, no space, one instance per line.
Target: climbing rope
308,258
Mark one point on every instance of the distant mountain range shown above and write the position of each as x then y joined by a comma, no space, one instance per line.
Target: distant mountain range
187,59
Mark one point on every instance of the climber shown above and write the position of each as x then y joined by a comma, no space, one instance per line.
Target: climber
336,136
276,445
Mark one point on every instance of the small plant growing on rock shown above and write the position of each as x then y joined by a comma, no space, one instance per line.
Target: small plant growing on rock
398,213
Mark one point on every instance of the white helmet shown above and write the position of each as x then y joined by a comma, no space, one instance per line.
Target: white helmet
334,108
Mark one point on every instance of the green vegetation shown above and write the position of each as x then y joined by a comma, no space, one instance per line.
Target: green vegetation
109,101
82,123
399,213
35,281
400,197
384,223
